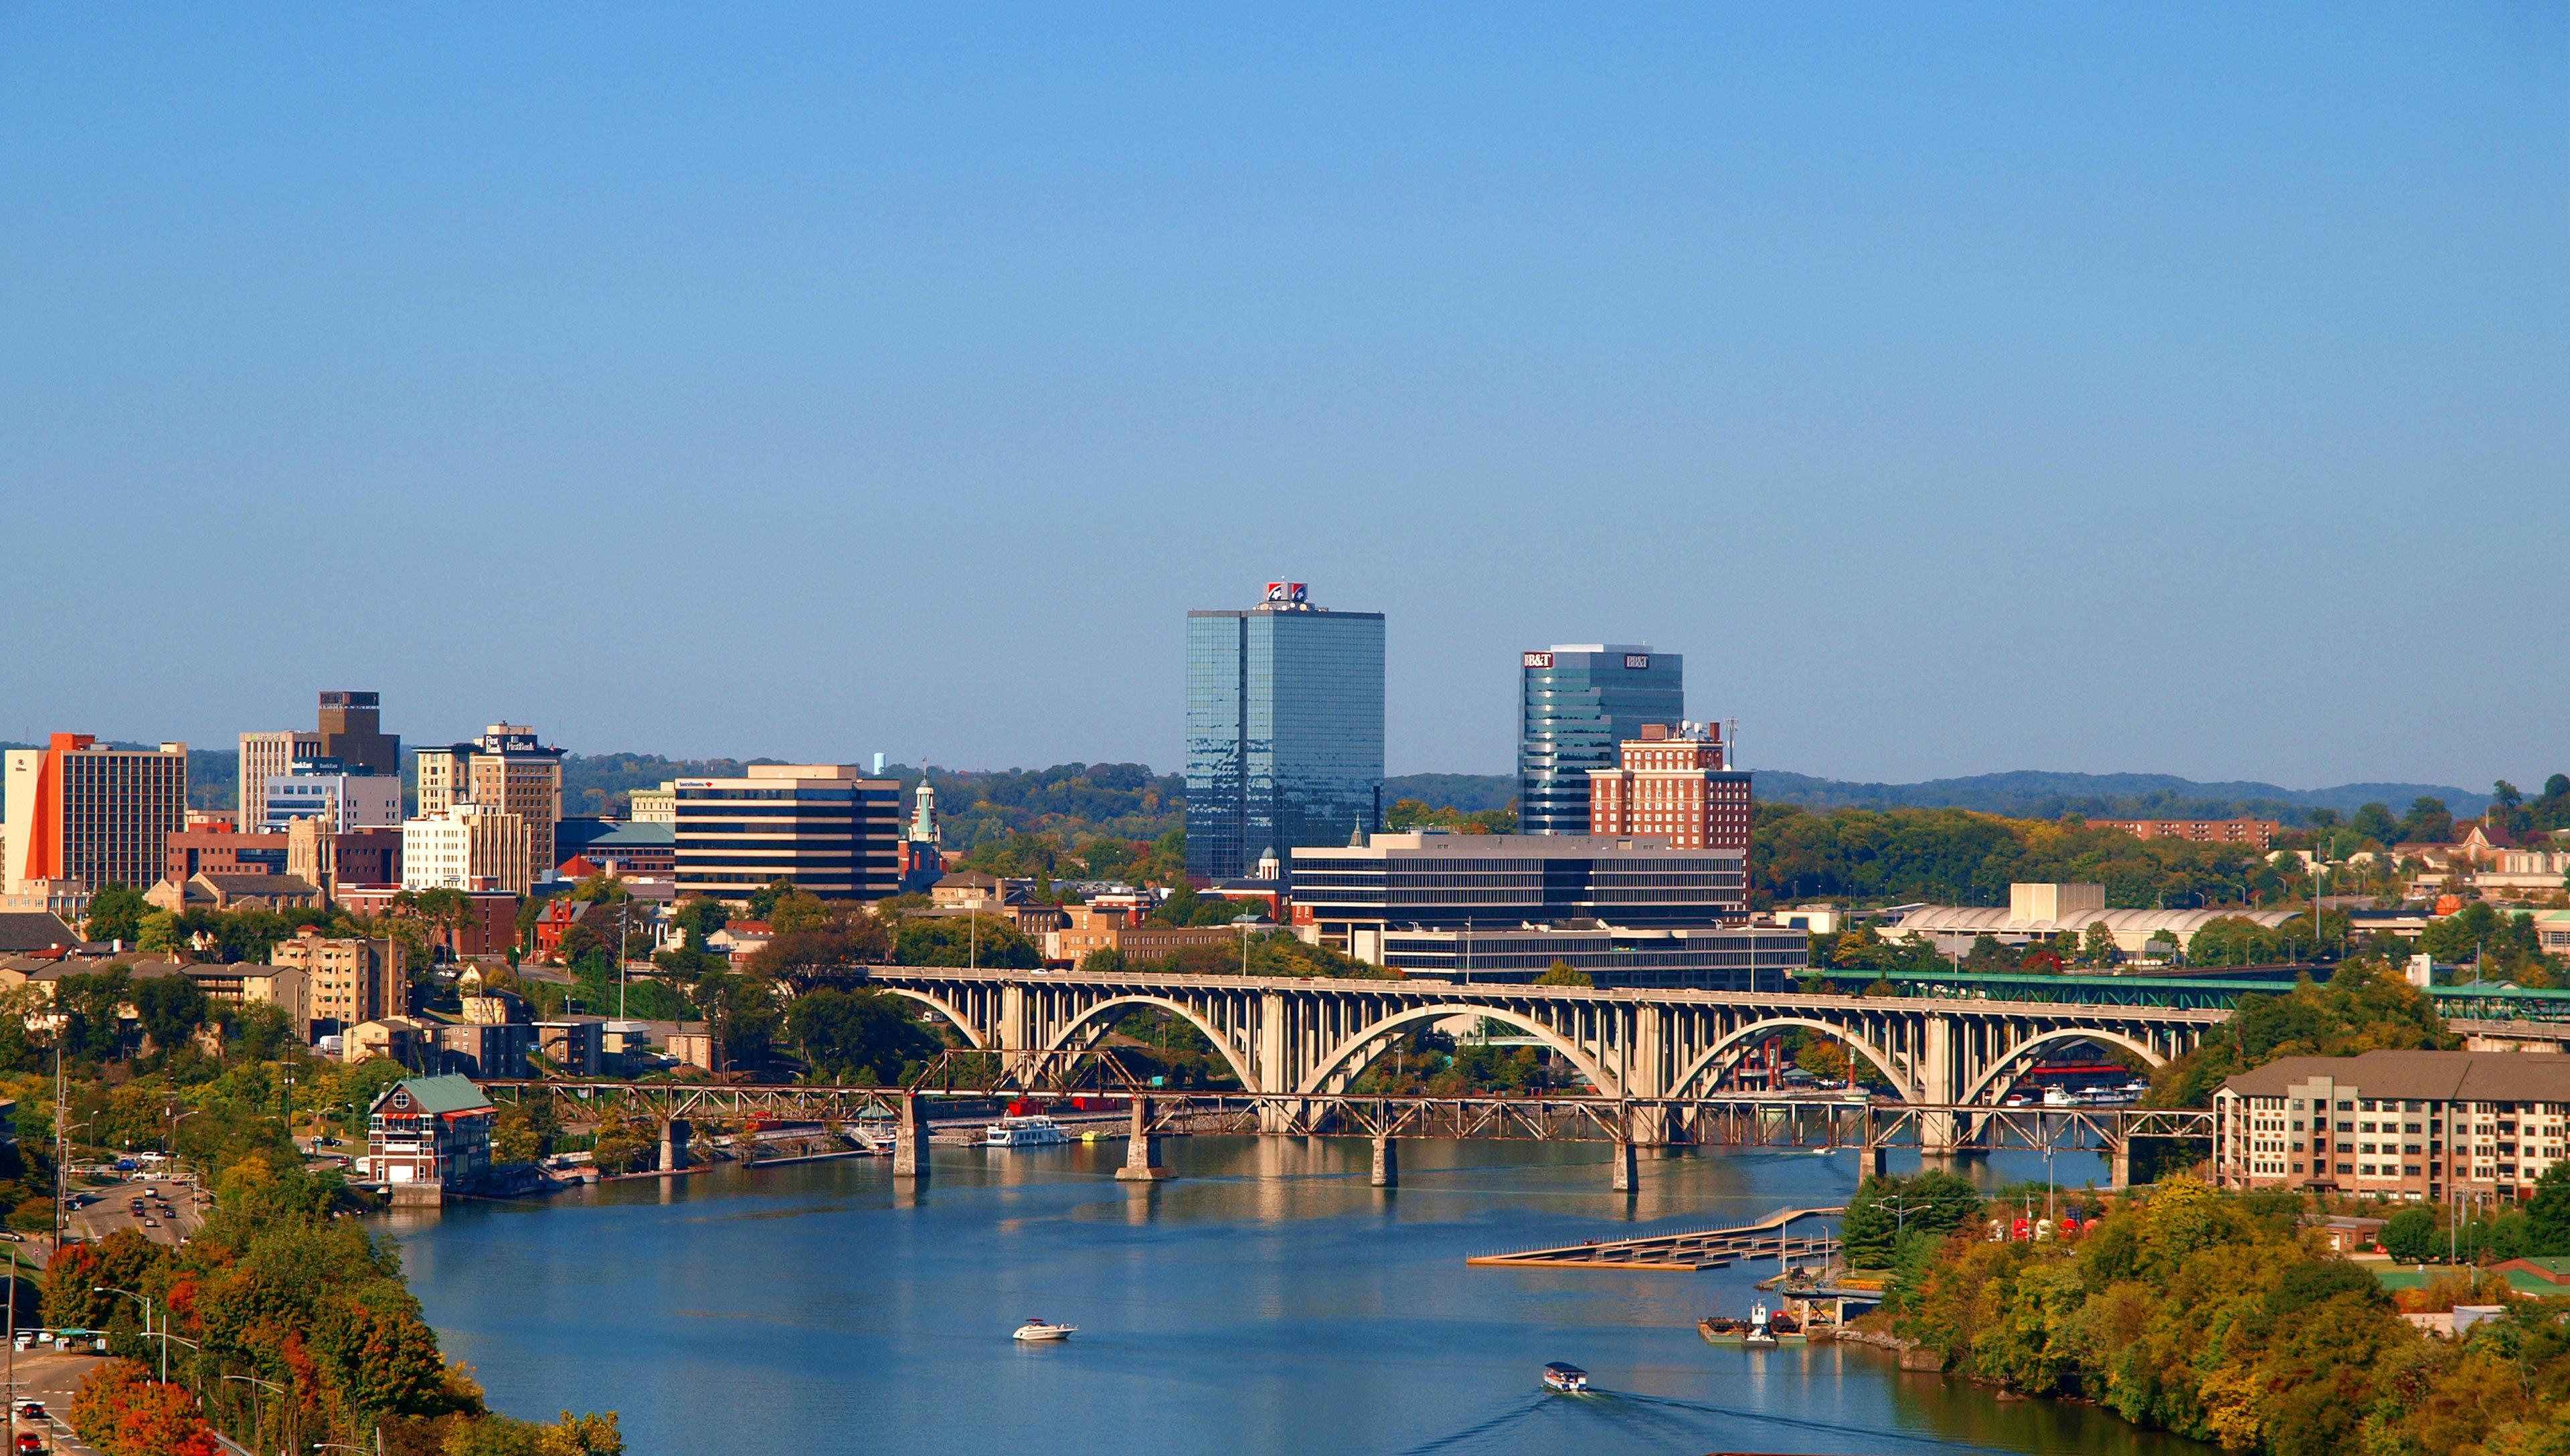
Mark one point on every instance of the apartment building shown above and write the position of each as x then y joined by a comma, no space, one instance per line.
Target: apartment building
346,980
2255,833
2409,1125
91,815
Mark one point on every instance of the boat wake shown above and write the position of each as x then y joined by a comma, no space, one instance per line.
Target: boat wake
1503,1421
1800,1423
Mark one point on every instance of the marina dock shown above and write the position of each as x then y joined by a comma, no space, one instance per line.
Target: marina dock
1683,1253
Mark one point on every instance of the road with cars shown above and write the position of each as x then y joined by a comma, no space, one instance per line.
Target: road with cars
49,1379
162,1208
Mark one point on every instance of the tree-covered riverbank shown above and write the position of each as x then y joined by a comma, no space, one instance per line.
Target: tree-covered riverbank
2227,1318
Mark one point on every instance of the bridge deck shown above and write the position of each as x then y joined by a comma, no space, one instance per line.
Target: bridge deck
1680,1253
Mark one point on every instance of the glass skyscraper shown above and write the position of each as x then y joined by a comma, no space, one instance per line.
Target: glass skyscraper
1575,703
1284,730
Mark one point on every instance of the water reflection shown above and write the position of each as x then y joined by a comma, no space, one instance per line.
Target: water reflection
1269,1299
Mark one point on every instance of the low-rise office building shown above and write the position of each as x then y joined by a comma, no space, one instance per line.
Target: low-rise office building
219,849
1723,959
1347,898
831,831
2409,1125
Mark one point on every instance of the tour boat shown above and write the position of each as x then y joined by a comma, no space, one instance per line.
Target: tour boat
1569,1380
1025,1132
1038,1330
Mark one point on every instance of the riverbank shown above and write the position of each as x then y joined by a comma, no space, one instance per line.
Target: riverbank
2225,1319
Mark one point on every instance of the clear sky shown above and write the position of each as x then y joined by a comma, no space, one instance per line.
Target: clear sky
2140,388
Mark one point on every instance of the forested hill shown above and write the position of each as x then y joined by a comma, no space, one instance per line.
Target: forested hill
1133,801
2025,794
2033,793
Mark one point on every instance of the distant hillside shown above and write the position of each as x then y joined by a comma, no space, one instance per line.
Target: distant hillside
1129,801
1471,793
2030,794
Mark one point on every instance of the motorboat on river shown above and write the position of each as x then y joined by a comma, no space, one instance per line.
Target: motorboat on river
1569,1379
1034,1330
1025,1132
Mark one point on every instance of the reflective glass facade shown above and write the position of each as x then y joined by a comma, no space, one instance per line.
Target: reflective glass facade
1284,732
1575,704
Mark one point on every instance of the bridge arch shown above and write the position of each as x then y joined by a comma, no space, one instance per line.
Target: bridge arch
2010,1066
1712,1056
942,1007
1351,1057
1098,1017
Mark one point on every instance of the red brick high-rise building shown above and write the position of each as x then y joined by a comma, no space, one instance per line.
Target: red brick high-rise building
1675,783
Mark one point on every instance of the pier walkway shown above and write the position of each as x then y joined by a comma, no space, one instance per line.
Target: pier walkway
1683,1253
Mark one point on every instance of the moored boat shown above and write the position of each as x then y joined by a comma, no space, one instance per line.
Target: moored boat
1041,1329
1762,1328
1569,1379
1037,1131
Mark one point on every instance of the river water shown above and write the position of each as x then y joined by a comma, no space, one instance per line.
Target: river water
1265,1300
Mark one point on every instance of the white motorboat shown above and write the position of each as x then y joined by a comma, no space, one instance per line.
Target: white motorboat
1569,1379
1025,1132
1041,1329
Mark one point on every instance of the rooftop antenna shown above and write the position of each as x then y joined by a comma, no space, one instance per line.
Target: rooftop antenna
1730,737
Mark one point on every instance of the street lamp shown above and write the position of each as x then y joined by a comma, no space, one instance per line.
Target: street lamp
1244,923
254,1382
147,1323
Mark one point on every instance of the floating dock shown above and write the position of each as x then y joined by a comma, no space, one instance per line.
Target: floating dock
1683,1253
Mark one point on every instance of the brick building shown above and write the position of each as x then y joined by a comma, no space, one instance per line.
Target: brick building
2256,832
1677,784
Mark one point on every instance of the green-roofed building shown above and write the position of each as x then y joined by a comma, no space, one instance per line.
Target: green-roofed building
428,1133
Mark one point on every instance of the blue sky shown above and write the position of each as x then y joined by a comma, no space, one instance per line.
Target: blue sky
1961,389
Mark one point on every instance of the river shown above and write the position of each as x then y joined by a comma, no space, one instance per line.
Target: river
1265,1300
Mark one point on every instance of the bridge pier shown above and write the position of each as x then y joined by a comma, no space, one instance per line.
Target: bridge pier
909,1141
674,1135
1141,1149
1387,1162
1628,1173
2120,1166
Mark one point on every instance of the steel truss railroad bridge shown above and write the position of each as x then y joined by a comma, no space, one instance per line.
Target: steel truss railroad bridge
1740,1120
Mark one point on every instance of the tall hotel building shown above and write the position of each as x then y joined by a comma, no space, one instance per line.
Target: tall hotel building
1284,730
1575,704
821,826
96,816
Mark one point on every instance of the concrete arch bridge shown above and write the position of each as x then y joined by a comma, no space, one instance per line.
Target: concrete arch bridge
1656,1050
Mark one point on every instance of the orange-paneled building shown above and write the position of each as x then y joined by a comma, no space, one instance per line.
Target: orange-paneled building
99,816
